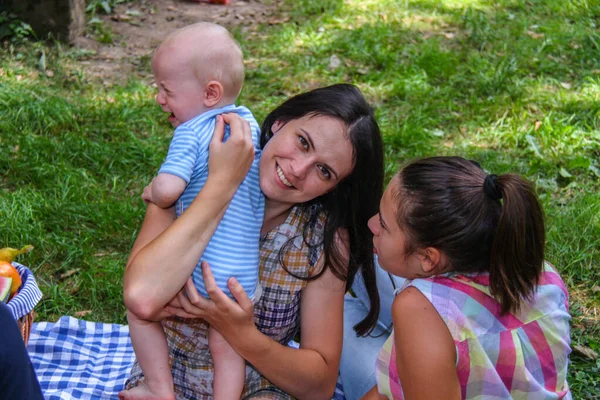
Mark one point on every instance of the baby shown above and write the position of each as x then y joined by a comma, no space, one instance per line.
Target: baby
199,71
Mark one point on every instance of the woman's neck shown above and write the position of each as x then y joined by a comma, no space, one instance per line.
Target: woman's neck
275,214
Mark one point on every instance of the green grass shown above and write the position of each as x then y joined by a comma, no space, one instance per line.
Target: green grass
513,84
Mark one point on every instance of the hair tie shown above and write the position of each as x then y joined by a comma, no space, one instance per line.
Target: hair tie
490,187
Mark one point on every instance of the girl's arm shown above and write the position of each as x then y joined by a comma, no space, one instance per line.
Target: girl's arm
425,349
306,373
167,250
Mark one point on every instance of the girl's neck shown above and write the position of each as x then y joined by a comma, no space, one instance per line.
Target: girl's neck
275,214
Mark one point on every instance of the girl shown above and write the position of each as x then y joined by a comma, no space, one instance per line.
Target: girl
481,314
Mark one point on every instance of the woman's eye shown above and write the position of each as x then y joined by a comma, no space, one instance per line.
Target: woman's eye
325,172
303,142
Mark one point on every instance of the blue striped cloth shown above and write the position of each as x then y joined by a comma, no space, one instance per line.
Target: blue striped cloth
29,294
76,359
233,249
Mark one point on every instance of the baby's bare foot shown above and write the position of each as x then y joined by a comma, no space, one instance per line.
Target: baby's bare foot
143,392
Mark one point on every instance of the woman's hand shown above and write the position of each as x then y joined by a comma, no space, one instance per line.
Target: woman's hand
221,312
166,241
230,161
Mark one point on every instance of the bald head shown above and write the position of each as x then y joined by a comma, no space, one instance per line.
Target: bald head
210,52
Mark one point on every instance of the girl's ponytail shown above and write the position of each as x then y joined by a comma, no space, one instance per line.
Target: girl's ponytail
517,252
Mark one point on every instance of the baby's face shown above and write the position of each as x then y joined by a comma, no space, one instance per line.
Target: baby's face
180,93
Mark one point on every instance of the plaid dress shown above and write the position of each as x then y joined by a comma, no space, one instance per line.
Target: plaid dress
276,314
511,356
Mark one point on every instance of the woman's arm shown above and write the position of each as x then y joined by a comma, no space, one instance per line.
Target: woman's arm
425,350
167,250
311,371
306,373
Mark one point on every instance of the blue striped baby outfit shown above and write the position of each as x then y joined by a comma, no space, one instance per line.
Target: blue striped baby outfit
233,249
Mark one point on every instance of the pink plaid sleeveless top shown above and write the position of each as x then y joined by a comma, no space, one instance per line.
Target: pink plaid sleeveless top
520,356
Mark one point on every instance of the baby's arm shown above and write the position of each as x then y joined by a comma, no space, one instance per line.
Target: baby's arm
164,190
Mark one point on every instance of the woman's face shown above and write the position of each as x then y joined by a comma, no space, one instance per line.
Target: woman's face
306,158
389,241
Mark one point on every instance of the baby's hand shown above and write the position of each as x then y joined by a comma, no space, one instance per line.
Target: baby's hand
147,194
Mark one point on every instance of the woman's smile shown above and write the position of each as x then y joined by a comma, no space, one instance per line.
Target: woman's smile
282,177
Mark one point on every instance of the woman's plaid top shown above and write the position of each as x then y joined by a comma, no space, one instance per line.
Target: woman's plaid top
276,314
510,356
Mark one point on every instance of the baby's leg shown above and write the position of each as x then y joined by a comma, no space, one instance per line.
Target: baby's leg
230,368
152,352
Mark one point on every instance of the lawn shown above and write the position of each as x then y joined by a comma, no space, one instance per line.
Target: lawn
513,84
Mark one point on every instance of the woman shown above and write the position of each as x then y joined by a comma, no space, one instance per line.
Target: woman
321,171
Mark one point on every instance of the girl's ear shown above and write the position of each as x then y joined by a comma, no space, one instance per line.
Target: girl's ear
276,126
213,93
432,260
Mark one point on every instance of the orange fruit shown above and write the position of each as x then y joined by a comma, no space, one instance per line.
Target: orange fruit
7,269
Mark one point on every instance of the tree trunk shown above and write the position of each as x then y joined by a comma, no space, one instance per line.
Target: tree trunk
63,19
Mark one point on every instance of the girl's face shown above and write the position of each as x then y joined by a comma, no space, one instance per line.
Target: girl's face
306,158
389,240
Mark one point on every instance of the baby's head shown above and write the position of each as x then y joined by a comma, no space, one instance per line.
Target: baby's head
197,68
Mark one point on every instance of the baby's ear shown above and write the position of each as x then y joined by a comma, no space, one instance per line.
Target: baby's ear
213,93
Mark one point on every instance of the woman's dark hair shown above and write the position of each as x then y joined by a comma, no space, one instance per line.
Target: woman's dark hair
482,223
355,199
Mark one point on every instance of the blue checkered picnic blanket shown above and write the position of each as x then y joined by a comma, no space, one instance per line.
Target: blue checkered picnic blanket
76,359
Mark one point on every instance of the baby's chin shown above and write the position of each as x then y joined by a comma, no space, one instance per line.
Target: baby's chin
174,121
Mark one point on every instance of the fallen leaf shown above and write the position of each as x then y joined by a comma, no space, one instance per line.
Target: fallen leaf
564,173
276,21
535,35
82,313
334,62
42,61
566,85
101,254
585,351
69,273
552,58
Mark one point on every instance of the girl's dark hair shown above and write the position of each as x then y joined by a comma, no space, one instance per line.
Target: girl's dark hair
482,223
355,199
